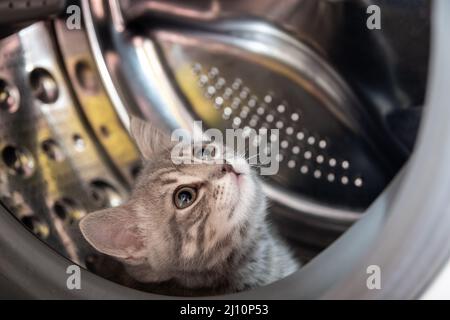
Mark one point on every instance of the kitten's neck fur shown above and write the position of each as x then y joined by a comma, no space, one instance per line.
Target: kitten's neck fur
261,258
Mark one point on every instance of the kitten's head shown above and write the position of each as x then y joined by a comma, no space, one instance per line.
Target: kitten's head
180,217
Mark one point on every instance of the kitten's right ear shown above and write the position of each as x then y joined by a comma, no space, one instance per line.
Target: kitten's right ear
149,139
115,232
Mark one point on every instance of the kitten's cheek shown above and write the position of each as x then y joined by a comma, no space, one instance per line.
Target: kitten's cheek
233,179
243,180
248,185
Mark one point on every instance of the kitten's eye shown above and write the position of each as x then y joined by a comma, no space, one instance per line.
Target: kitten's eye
206,152
184,197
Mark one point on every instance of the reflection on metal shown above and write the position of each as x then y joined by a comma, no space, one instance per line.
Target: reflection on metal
66,95
9,97
144,85
94,101
104,194
86,76
36,225
326,137
53,150
43,85
18,160
68,210
315,22
53,143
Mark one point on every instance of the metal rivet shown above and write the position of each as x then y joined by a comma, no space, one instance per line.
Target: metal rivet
36,225
44,86
203,80
332,162
196,68
296,150
104,194
345,164
344,180
218,101
78,142
211,90
227,93
300,135
213,72
227,111
269,118
281,108
235,104
18,160
295,116
236,84
311,140
220,82
260,111
246,131
52,150
304,169
68,210
284,144
104,131
317,174
331,177
322,144
87,77
308,155
289,130
243,94
358,182
320,159
9,97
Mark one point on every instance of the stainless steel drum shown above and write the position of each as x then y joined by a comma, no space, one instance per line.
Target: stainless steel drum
311,69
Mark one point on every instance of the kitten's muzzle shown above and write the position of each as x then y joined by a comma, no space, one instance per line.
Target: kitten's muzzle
228,168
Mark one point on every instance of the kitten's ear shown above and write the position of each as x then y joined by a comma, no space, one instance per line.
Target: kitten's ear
149,139
114,232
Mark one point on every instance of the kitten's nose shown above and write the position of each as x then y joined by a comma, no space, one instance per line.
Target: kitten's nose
226,168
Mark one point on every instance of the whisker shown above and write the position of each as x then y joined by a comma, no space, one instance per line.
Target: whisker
251,157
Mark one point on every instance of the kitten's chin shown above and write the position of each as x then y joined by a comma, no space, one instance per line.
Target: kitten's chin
246,195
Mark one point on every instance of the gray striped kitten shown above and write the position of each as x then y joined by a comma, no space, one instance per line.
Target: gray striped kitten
190,229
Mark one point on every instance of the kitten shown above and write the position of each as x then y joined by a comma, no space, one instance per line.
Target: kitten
192,229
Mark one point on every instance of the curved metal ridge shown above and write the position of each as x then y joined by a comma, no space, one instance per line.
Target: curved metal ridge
166,107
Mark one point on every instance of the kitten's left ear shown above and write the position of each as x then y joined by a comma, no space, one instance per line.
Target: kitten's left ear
114,232
149,139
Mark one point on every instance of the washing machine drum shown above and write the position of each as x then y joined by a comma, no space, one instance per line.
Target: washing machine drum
345,103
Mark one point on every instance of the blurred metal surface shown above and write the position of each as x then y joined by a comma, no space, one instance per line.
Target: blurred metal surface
311,21
146,77
17,14
325,141
53,170
305,67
